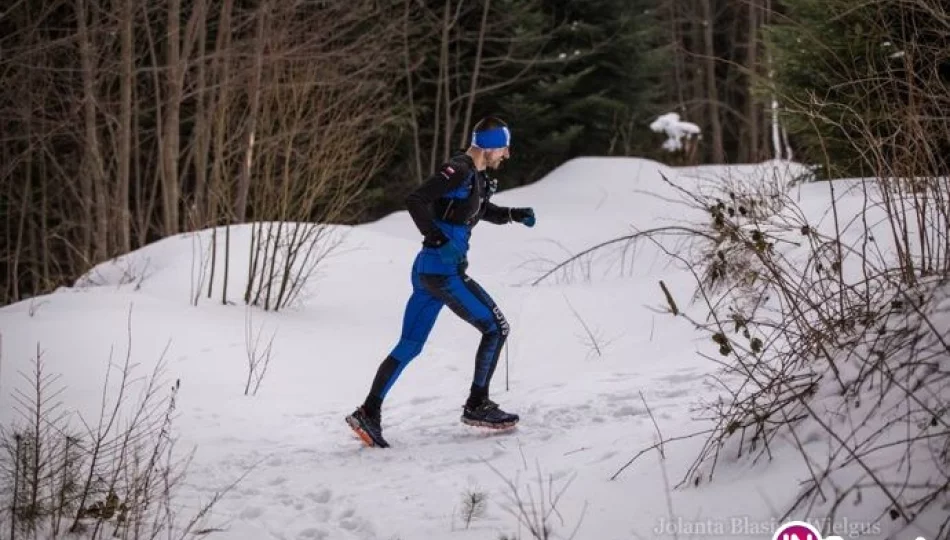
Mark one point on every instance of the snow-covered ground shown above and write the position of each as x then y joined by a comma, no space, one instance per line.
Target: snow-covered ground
583,408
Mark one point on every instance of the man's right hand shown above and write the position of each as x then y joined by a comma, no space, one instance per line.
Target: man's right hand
450,253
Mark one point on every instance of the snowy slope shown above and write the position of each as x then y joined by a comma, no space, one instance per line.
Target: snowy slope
307,477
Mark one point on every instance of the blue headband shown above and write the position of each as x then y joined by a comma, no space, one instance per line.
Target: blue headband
492,139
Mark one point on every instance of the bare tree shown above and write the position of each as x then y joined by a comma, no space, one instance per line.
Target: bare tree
410,64
92,177
750,148
170,139
218,118
712,93
165,125
467,117
472,60
122,224
317,152
244,179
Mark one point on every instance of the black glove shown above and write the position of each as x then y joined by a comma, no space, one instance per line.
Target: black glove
522,215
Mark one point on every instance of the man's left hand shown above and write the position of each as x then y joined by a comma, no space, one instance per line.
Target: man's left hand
523,215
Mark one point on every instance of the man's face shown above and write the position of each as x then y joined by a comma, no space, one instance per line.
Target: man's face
493,158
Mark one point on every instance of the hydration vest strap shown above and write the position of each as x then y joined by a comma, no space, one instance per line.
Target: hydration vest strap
451,211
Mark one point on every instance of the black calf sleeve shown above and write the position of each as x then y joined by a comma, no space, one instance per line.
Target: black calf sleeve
384,374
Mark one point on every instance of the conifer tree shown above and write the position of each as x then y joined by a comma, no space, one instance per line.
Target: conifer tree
860,83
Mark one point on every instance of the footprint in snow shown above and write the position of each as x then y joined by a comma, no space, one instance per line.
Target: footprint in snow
313,533
322,497
629,410
685,376
319,513
621,397
421,400
355,524
675,393
555,418
252,512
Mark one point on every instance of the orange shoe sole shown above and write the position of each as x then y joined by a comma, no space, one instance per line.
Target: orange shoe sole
497,427
365,437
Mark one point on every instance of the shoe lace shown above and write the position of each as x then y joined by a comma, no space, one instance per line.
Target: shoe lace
375,418
488,405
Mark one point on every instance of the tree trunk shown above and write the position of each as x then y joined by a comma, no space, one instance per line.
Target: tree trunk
121,204
202,135
447,128
443,76
244,180
170,180
751,145
90,177
216,189
773,105
712,93
679,80
693,61
414,119
467,121
142,216
43,231
21,224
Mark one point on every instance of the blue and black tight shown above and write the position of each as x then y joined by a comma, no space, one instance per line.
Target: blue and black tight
467,299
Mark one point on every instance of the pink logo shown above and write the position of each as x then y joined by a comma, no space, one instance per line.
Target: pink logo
799,530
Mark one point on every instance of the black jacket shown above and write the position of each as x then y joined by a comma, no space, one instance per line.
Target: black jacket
439,198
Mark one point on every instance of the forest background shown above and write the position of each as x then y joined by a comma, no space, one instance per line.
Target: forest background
126,121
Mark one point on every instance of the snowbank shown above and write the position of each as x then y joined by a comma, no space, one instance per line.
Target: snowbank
593,366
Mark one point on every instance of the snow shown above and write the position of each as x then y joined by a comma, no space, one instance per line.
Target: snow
584,413
675,129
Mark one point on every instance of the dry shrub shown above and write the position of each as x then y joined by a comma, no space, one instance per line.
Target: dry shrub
116,475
